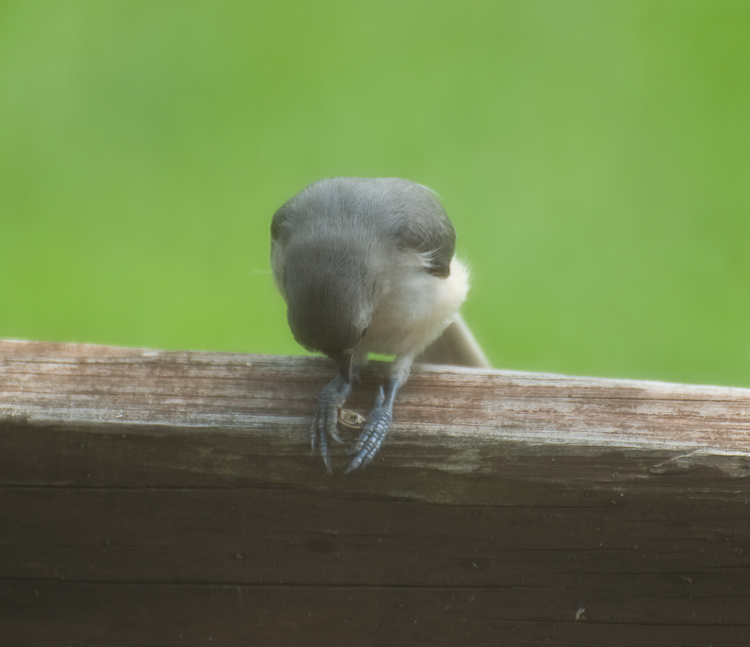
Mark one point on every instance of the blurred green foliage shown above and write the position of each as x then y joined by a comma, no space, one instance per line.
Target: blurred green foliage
594,157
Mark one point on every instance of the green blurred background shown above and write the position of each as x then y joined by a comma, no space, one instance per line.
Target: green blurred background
594,157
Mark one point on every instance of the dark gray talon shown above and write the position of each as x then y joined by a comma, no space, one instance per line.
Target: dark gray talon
331,399
378,423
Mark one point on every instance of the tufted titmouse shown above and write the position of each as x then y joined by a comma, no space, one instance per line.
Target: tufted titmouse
367,266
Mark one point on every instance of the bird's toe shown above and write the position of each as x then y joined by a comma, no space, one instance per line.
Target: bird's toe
331,399
372,435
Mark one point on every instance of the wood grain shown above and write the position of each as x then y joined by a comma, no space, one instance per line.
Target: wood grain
159,498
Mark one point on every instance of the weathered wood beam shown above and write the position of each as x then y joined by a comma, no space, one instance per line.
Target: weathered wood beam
161,498
78,413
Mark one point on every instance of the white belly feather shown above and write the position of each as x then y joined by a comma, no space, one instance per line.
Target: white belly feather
414,310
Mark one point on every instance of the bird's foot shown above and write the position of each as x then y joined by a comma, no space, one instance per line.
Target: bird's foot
331,399
373,434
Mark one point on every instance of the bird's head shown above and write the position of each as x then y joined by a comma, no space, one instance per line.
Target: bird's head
330,299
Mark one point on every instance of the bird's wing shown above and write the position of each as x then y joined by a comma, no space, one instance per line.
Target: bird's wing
421,224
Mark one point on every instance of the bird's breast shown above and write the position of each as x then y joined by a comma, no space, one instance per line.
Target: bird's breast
414,309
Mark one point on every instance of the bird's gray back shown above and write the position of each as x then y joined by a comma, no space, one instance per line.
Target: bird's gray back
396,213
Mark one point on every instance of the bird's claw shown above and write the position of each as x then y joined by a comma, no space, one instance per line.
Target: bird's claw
331,399
373,434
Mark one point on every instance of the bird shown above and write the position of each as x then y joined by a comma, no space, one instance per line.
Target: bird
368,265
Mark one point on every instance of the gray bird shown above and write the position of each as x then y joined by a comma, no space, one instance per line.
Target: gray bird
367,266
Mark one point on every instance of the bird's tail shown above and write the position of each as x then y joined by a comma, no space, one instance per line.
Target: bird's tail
456,346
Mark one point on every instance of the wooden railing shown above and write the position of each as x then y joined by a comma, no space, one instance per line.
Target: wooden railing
170,498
